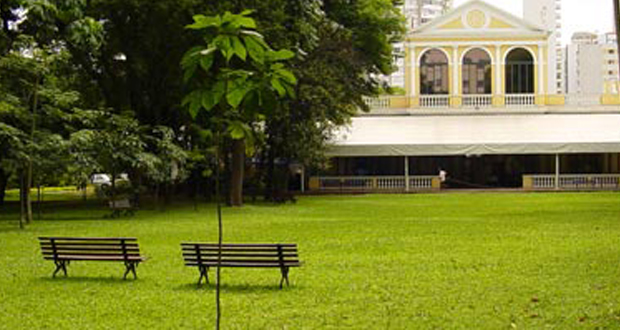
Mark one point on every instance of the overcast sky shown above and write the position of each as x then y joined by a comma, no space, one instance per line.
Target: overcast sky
577,15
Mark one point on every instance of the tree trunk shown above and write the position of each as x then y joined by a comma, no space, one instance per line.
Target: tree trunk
33,128
113,189
237,168
22,199
38,201
28,196
4,181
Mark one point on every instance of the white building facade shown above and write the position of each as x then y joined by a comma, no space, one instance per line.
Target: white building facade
548,14
592,64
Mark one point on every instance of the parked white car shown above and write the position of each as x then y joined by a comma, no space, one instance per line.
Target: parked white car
102,179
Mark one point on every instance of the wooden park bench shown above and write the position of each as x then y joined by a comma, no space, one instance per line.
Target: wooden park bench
63,250
121,206
205,255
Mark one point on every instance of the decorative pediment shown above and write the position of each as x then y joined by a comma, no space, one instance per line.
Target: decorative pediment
478,19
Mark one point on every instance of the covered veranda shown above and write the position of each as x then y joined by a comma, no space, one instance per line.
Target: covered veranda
534,151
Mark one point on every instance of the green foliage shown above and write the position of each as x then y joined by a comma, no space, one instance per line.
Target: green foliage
237,85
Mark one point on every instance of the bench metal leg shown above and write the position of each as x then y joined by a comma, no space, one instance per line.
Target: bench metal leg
204,273
130,267
284,271
60,265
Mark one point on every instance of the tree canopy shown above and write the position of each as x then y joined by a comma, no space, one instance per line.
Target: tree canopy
122,57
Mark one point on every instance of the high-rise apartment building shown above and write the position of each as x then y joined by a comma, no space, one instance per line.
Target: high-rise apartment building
611,77
592,64
584,59
548,14
417,12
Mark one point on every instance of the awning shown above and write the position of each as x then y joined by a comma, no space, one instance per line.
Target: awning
479,135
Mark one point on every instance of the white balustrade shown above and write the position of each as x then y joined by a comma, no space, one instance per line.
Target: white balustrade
520,100
421,182
391,183
577,181
477,101
480,101
434,101
375,183
381,102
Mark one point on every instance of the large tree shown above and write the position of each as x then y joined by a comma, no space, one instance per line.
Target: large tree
237,80
341,47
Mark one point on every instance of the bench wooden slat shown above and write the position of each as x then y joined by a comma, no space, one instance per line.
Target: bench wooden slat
239,250
61,255
86,244
247,265
227,254
251,260
91,248
89,238
244,245
95,258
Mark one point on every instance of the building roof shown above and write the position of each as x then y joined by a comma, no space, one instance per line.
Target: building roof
477,19
479,135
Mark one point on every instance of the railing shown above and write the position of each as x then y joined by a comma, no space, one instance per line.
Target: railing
422,182
373,183
477,101
583,99
573,181
520,100
435,101
486,101
381,102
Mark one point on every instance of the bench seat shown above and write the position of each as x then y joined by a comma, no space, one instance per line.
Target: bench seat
63,250
205,255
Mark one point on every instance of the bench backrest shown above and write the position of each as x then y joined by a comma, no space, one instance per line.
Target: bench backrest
241,255
89,247
120,204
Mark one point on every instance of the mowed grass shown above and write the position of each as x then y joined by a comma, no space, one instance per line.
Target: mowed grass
450,261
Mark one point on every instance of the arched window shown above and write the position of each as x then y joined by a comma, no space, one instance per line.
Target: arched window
434,73
477,72
519,72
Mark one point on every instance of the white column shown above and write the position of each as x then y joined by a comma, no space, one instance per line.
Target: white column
541,68
499,61
413,65
557,171
456,66
407,173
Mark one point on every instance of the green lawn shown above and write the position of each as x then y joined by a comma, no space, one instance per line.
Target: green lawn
470,261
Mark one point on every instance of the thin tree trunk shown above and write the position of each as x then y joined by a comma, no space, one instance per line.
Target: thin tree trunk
270,171
33,128
38,201
196,193
113,189
236,180
28,199
4,181
22,200
220,234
